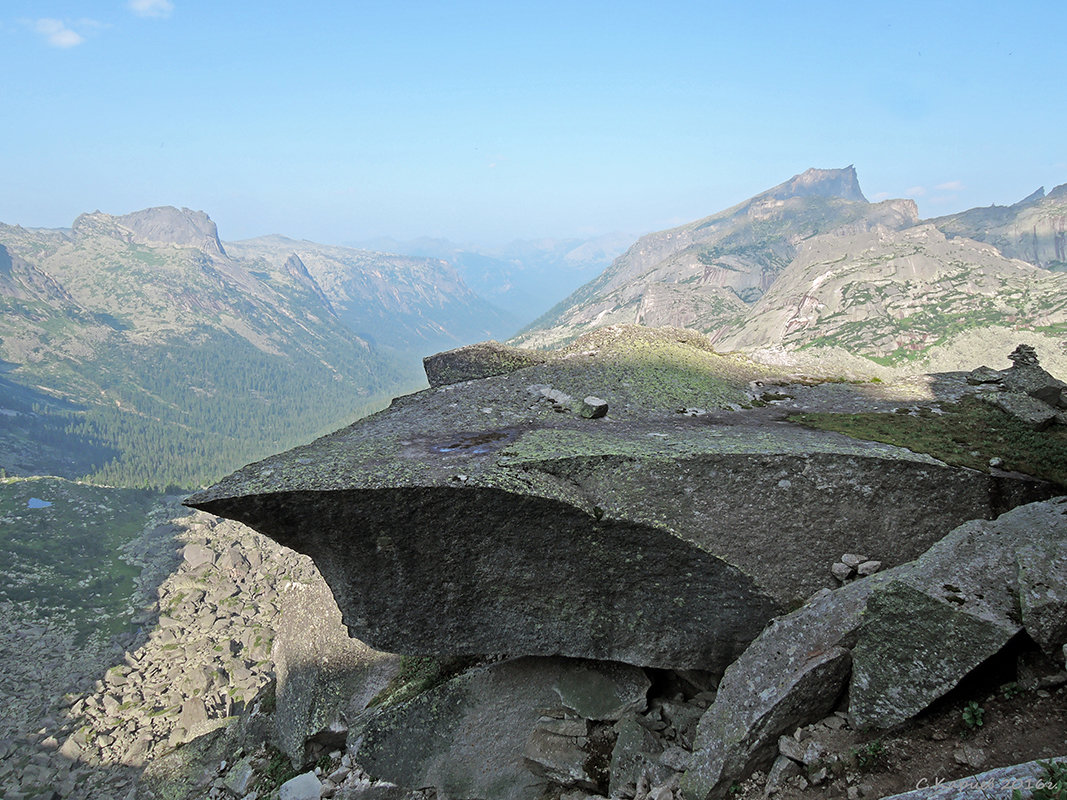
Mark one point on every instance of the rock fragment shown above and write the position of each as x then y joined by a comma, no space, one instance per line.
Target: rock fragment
841,571
593,407
303,787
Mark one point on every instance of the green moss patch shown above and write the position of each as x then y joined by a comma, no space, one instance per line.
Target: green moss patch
418,674
968,434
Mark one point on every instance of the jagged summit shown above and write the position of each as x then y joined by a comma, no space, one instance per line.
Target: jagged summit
155,226
1033,197
813,182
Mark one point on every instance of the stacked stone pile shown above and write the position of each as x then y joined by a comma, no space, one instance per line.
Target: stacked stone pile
1024,390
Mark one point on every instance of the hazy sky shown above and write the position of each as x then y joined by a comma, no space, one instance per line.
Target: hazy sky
487,121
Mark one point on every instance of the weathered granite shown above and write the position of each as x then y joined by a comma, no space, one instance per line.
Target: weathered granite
303,787
470,736
946,613
1042,580
324,677
1033,413
1035,382
475,361
913,631
912,649
635,753
793,673
481,502
995,783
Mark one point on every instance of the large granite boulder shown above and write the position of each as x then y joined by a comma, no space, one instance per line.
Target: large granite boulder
484,518
1028,377
475,361
943,615
792,674
909,635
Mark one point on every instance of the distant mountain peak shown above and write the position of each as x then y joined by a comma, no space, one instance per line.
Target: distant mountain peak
1033,197
842,183
155,226
299,272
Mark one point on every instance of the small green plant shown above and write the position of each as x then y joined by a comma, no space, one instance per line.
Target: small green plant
1011,690
869,756
279,769
972,716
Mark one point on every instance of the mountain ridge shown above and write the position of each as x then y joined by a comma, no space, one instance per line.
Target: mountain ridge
179,360
745,277
742,248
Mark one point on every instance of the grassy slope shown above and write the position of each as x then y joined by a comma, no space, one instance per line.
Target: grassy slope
65,560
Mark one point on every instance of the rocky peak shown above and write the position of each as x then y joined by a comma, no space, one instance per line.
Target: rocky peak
1033,197
906,208
841,183
296,268
1059,192
164,225
169,225
298,271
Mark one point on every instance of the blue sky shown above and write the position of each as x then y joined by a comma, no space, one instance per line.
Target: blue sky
483,122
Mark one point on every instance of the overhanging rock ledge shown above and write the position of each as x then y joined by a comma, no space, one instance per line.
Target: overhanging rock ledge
479,518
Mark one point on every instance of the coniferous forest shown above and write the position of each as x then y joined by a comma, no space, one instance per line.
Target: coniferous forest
181,414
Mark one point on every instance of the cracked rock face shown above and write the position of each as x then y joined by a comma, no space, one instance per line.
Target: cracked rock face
480,518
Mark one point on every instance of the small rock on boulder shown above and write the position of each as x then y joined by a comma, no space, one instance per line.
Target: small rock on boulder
593,407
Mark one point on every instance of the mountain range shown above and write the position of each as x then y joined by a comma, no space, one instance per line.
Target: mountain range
144,350
141,349
525,276
811,268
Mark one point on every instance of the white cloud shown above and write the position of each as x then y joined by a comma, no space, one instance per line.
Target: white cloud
57,34
915,191
881,196
151,8
951,186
